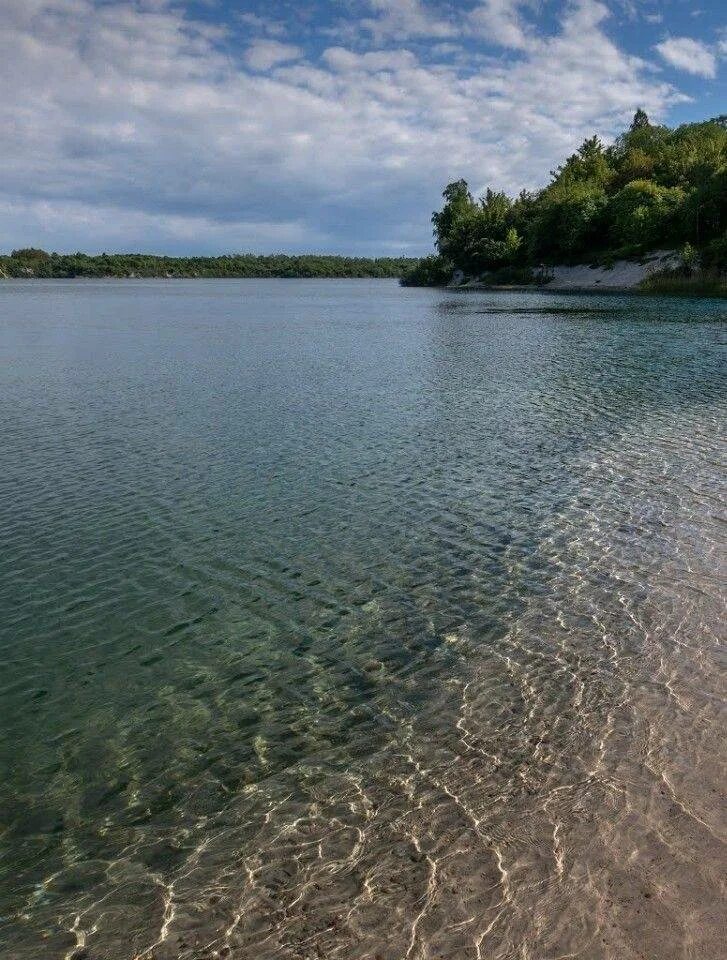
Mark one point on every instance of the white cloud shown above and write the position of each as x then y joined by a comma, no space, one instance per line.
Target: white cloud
689,55
264,54
500,22
95,228
446,49
404,19
630,8
374,61
134,127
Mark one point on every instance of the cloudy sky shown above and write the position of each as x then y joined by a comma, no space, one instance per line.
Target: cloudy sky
331,125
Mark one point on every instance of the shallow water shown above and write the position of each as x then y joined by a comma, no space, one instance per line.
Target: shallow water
345,621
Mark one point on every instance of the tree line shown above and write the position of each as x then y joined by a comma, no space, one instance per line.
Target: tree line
32,262
655,187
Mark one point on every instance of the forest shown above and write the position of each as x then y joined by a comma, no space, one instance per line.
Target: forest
31,262
653,188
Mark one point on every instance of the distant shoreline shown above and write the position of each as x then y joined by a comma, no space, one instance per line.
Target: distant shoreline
34,279
31,263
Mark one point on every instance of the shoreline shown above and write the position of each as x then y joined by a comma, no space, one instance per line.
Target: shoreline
658,274
578,291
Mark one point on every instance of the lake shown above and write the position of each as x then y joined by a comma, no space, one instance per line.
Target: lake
341,620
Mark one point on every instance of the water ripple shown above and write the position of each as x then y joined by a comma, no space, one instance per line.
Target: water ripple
349,622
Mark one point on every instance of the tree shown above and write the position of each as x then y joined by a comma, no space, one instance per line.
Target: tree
635,164
641,120
30,253
644,213
459,206
590,163
496,207
568,220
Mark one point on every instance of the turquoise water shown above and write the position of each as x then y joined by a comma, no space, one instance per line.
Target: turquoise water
343,620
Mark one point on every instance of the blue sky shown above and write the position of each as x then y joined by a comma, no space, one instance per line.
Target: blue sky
215,126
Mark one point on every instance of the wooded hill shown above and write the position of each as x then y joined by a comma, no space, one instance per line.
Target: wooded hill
655,187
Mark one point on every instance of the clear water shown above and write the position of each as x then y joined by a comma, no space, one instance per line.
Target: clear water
340,620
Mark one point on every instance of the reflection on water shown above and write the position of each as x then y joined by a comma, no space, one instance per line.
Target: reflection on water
346,621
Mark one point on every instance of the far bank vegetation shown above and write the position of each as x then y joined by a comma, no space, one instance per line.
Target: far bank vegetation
34,263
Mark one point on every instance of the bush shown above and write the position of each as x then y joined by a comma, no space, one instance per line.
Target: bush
434,271
714,256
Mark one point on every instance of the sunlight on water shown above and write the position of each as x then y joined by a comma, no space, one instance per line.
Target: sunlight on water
346,621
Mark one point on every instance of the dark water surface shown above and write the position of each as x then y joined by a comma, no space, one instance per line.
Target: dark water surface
345,621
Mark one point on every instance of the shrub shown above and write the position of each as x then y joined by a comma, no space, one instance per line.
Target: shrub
434,271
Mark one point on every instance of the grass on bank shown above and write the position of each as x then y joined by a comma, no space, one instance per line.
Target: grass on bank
678,283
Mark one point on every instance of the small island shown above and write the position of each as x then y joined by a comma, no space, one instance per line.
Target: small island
648,213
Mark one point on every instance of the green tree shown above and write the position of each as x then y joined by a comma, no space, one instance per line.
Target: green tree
589,164
640,121
569,220
643,214
459,207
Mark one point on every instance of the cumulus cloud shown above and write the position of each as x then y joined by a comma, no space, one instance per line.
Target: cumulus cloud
689,55
135,126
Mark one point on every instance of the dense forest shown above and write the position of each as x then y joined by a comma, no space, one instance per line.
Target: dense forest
654,188
31,262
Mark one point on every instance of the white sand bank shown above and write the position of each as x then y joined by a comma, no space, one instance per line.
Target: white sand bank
623,275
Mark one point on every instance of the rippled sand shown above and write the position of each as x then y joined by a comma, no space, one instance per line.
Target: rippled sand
563,797
550,786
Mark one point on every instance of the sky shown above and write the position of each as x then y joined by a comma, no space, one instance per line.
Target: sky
327,126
